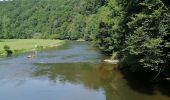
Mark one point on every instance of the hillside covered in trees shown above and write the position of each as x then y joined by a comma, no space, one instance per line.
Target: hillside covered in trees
63,19
138,31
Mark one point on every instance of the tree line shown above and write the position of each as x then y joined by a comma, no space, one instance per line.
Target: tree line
58,19
136,30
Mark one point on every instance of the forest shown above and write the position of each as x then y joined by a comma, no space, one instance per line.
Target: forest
137,32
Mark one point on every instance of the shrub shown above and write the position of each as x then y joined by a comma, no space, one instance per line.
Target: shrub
6,47
7,50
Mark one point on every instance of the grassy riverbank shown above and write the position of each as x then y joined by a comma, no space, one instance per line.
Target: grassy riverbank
25,45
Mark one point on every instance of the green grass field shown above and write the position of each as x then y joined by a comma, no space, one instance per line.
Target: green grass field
25,45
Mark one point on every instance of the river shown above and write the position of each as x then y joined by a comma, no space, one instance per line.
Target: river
73,71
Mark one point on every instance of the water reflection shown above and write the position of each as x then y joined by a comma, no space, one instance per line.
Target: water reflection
143,83
100,76
74,71
91,76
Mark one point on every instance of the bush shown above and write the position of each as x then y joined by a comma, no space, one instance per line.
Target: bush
6,47
7,50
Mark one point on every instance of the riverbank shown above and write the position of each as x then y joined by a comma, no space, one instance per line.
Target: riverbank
18,46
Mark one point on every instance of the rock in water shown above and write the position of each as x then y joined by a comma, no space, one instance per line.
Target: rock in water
30,56
111,61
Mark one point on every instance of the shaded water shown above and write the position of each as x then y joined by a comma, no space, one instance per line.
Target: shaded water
74,71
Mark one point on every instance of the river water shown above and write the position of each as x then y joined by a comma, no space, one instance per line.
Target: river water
73,71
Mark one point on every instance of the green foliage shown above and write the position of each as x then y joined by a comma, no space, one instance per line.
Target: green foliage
6,47
109,17
25,18
146,35
137,30
8,51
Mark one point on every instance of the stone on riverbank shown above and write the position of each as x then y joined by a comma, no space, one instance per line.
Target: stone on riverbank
111,61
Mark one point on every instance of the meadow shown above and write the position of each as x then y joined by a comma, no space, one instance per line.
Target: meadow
26,45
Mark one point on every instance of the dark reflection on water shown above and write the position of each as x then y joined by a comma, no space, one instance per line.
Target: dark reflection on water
74,71
142,82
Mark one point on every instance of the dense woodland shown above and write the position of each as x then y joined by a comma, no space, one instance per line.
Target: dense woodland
136,31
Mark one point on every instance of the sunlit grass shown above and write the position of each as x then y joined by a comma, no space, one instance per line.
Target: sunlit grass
24,45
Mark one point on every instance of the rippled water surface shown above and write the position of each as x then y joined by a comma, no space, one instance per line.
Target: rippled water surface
73,71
